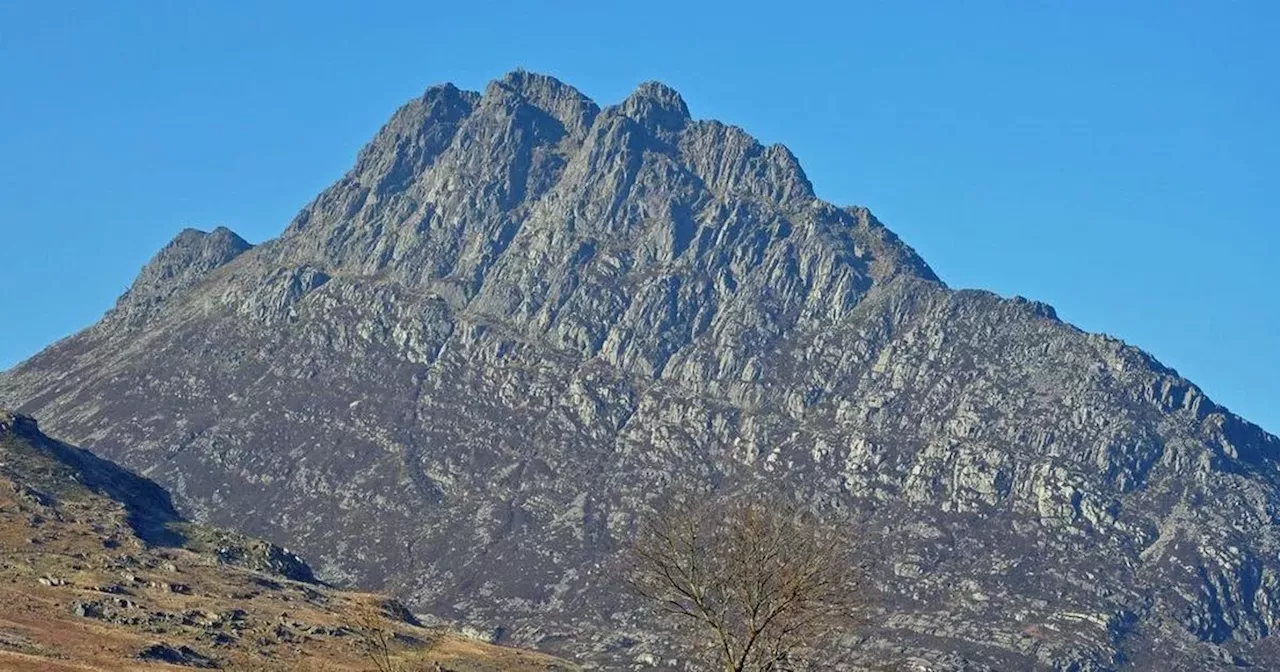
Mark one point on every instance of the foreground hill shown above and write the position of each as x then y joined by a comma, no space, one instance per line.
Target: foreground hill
99,573
463,368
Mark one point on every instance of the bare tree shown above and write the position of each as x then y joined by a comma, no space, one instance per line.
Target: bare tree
757,586
375,637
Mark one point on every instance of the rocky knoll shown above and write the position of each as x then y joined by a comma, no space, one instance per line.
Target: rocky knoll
462,369
98,572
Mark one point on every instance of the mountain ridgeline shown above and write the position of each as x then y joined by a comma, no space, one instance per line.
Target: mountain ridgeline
465,367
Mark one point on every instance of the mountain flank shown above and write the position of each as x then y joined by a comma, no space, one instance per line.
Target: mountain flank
462,370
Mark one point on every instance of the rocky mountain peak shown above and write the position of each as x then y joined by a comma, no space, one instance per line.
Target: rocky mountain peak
568,106
476,357
489,198
408,143
192,244
183,262
656,105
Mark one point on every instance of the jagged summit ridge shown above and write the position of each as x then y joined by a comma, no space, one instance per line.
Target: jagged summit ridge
568,106
477,355
483,198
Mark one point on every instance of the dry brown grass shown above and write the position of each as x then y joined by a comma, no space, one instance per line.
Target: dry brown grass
280,624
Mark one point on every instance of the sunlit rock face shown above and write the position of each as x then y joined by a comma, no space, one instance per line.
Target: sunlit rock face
463,368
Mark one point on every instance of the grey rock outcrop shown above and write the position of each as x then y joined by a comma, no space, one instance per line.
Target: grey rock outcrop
182,263
464,367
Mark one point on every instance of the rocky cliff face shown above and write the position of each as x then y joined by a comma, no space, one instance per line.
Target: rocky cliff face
461,370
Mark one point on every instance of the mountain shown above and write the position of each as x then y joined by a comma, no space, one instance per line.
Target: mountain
463,368
100,573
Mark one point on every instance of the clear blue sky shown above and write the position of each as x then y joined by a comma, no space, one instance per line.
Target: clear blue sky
1118,160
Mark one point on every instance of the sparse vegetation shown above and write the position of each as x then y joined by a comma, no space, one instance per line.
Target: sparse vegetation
755,587
388,651
375,639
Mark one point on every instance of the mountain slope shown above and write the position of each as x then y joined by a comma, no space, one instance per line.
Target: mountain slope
463,368
99,573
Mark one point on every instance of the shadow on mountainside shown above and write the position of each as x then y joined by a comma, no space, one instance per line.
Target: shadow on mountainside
52,470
